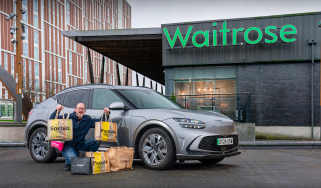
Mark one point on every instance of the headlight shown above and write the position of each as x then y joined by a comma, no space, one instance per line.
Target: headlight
190,123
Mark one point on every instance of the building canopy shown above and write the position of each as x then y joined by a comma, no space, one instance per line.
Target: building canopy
138,49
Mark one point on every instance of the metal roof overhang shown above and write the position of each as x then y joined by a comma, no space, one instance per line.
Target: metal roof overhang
139,49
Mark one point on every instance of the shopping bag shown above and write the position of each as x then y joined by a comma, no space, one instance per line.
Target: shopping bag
81,165
100,163
60,129
106,131
120,158
58,145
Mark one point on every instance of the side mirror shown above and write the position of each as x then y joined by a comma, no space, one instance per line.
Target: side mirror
118,106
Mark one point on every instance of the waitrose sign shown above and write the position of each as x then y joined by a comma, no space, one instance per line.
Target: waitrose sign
270,34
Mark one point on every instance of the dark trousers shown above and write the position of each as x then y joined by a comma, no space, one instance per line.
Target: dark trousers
71,150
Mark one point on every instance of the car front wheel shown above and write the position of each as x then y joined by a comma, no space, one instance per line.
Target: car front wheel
39,148
156,149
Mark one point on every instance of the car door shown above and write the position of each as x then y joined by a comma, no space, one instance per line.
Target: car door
103,97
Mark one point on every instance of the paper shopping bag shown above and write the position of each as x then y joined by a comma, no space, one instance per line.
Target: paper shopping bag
106,131
100,163
120,158
60,129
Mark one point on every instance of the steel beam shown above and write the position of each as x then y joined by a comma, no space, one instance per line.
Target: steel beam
126,82
102,70
137,80
118,74
90,66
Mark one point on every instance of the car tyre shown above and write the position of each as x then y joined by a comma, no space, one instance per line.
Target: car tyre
156,149
39,148
210,162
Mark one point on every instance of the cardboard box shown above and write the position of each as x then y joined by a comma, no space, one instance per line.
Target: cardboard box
118,158
91,153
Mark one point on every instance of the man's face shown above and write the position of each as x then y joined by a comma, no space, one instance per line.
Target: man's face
80,110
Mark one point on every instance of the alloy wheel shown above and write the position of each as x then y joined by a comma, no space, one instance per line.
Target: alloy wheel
39,145
154,149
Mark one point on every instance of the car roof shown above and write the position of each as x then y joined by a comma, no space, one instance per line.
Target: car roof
92,86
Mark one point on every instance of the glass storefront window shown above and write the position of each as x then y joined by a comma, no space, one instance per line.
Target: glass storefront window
183,88
225,86
215,95
203,87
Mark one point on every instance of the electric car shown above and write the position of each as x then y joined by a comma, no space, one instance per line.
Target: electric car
160,130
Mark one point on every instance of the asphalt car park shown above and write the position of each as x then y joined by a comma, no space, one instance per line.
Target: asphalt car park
253,168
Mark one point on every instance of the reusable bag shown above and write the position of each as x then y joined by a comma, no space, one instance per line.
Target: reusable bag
60,129
100,163
120,158
106,131
81,165
57,144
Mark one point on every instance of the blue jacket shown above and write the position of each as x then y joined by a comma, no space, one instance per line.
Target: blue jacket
80,127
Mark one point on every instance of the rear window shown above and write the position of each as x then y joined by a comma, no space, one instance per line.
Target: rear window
72,98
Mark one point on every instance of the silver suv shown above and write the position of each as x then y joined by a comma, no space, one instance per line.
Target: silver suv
160,130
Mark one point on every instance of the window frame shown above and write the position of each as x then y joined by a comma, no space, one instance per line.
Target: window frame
61,101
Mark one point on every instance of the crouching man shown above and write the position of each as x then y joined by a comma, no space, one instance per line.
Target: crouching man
81,125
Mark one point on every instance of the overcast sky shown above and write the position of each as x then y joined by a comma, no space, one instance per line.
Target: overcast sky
152,13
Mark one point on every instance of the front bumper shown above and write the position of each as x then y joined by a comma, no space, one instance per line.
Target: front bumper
205,147
199,156
201,143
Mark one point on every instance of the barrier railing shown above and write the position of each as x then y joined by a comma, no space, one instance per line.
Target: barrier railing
235,106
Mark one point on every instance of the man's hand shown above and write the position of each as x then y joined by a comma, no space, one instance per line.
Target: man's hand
106,111
59,108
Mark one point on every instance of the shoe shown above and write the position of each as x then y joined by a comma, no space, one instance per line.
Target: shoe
67,167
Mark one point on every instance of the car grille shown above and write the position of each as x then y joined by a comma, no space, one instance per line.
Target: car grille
210,143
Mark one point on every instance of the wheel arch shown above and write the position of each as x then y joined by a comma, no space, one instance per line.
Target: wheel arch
34,125
154,124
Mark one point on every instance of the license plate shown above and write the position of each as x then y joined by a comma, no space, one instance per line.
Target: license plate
224,141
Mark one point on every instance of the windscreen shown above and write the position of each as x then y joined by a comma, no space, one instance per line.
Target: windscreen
147,99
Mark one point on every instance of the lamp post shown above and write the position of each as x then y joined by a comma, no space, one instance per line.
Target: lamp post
18,62
312,43
319,25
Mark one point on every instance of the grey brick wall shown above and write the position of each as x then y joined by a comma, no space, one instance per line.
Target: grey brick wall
280,93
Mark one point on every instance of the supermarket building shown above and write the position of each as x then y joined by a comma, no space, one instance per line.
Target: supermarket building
264,70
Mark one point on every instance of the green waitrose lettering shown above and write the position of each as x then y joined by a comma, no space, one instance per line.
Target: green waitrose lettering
287,34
